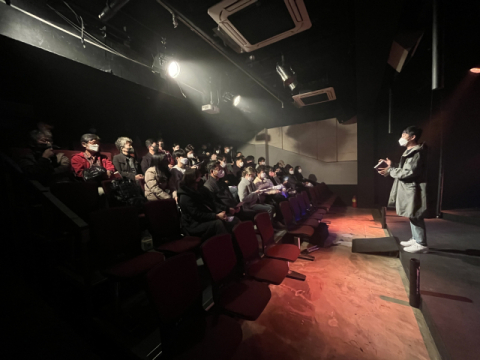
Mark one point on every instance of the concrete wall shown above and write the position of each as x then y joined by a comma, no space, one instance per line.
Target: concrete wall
325,149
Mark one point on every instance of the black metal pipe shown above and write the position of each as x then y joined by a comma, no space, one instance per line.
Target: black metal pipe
414,283
437,46
111,9
217,47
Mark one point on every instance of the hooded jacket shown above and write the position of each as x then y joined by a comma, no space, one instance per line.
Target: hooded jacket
409,190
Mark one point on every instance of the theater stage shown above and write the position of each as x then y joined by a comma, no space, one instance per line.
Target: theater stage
449,282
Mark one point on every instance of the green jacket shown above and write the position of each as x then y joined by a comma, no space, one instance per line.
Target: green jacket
409,190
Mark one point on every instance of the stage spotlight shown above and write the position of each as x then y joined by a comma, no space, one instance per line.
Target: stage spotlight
475,70
287,75
236,100
173,69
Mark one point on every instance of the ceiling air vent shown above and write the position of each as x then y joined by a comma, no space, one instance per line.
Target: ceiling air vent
314,97
253,24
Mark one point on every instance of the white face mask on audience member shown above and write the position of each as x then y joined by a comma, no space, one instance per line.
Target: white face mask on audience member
223,164
291,171
93,147
240,164
402,141
263,176
184,161
250,178
191,156
300,171
261,163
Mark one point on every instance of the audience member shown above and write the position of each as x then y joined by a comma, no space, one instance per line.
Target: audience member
213,157
239,153
236,172
228,154
250,161
125,162
299,177
200,216
176,147
42,164
261,162
91,157
163,150
156,179
152,147
222,193
294,183
193,160
273,194
249,195
178,171
218,150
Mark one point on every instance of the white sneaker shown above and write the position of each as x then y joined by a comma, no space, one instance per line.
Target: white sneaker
408,243
416,249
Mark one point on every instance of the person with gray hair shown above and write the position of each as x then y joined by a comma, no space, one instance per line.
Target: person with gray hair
125,162
42,163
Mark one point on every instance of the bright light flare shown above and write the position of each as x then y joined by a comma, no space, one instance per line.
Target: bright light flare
236,100
475,70
173,69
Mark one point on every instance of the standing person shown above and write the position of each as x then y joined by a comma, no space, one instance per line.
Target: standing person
125,162
156,179
236,172
147,159
409,194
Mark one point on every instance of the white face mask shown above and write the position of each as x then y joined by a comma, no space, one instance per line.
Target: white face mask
300,171
291,172
403,142
223,164
263,176
241,164
191,156
220,174
94,148
262,163
217,151
184,161
250,178
227,150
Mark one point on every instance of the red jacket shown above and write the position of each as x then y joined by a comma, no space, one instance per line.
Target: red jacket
79,163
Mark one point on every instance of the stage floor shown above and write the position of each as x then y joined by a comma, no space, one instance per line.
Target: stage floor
450,284
351,306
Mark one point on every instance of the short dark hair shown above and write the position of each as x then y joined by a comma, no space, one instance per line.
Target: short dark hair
261,159
149,142
249,170
189,148
190,177
212,165
175,144
250,158
86,138
261,168
268,168
413,130
239,158
179,153
220,157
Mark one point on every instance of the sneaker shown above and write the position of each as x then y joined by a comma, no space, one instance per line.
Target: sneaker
416,248
408,243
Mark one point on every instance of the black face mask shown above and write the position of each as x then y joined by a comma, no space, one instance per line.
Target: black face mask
278,174
155,148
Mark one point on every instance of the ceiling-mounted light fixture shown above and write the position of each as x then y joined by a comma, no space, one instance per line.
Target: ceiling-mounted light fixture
287,75
111,9
173,69
229,97
475,70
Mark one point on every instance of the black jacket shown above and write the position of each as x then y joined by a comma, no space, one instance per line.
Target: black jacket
146,162
123,167
198,206
221,194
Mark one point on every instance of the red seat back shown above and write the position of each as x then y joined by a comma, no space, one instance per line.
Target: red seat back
67,153
287,213
163,218
115,234
295,207
219,256
174,286
80,197
264,225
247,240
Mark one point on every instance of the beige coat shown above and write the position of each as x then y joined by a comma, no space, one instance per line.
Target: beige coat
152,190
409,190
